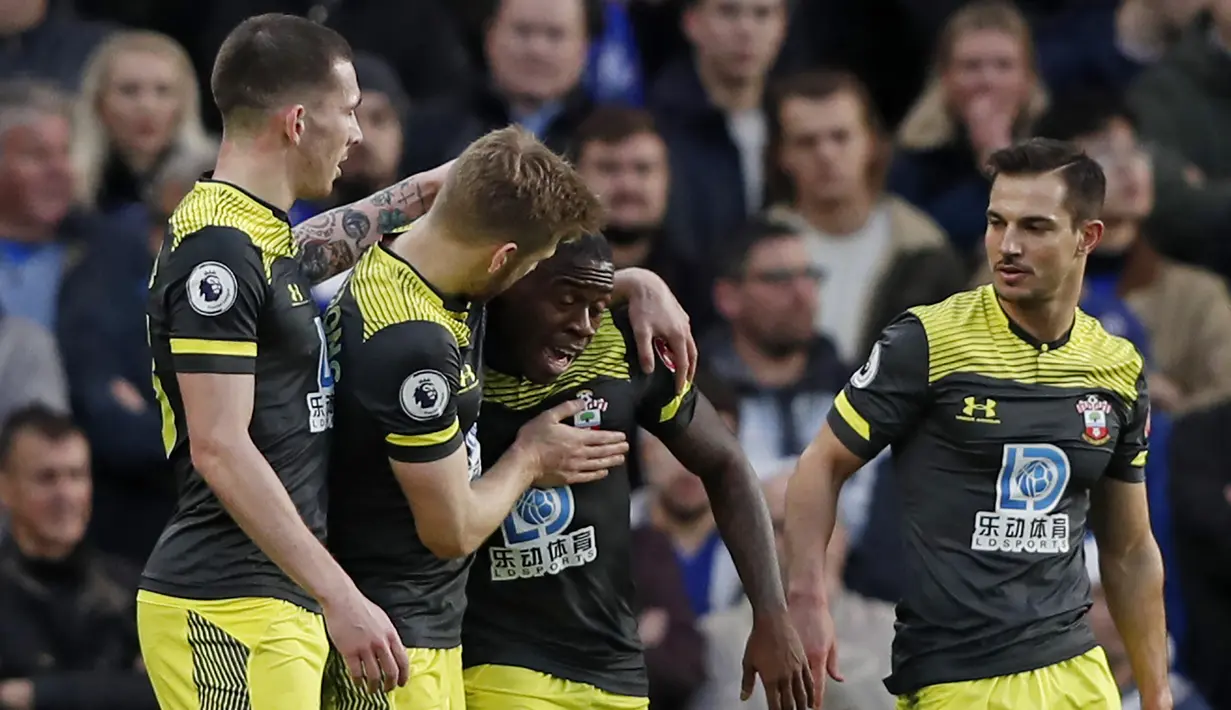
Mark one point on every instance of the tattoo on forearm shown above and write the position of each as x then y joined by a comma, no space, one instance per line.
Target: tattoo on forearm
709,450
331,242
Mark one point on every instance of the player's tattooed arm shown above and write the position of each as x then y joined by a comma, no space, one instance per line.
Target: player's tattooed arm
331,242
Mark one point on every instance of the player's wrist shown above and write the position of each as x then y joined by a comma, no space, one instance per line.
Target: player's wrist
812,597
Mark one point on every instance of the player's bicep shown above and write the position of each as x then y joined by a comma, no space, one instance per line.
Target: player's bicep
217,409
214,302
438,493
886,397
705,444
407,377
1119,516
1128,462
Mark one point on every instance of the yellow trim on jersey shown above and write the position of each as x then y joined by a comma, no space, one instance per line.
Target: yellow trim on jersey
430,439
216,204
673,407
389,292
196,346
852,418
605,356
1139,460
970,333
169,433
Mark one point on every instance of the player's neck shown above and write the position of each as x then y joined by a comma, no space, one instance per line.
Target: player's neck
1047,321
837,217
245,165
771,370
438,258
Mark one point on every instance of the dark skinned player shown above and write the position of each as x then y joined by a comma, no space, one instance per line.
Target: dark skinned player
549,624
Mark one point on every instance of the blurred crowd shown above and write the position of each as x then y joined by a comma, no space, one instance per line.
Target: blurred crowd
799,171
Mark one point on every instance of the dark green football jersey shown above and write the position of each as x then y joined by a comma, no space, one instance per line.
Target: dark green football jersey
552,589
228,296
406,360
997,440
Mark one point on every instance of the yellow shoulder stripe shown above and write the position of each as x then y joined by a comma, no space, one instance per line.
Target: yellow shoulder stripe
196,346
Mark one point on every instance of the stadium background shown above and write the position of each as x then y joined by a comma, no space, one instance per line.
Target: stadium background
838,142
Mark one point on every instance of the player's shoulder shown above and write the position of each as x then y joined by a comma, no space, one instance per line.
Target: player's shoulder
1112,354
411,340
962,310
615,335
389,293
211,208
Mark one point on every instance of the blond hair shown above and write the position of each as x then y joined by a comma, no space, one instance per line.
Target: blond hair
930,122
508,186
91,144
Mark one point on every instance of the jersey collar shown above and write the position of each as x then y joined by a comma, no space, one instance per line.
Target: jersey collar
998,314
454,303
279,213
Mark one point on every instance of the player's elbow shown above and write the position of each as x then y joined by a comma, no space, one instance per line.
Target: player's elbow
448,539
209,454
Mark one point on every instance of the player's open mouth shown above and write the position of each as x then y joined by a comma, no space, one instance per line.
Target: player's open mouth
558,359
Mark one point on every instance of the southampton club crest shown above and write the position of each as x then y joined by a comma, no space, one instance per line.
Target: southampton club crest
592,416
1094,410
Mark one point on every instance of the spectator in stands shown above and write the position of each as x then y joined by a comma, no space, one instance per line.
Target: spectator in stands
984,94
1184,101
68,632
107,356
536,52
1186,310
1201,495
879,255
623,158
140,104
38,236
863,639
1183,694
784,373
710,107
44,39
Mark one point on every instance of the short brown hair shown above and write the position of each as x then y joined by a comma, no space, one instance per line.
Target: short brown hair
1084,182
507,186
819,86
612,124
269,59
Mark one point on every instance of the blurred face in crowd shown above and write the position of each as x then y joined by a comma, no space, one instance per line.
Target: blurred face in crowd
329,131
36,177
537,49
141,104
19,15
375,161
1130,177
680,494
631,177
45,484
988,63
1034,247
737,39
827,147
1221,10
774,303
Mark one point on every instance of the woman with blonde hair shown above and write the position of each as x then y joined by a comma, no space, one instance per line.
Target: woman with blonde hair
984,93
139,104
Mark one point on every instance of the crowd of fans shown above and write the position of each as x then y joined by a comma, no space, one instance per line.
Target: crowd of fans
798,171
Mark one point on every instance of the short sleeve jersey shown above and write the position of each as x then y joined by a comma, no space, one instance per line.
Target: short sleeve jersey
406,361
551,590
997,440
229,297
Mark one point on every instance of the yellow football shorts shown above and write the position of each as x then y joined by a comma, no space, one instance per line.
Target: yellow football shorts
1080,683
511,688
203,654
435,684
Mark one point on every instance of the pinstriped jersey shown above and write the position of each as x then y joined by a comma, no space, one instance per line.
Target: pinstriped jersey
997,440
551,590
228,296
406,360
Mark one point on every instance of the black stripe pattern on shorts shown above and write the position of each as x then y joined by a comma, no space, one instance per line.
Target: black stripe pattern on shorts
341,693
219,666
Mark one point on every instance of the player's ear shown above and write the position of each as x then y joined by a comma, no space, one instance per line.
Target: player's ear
293,123
726,299
1090,236
501,257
